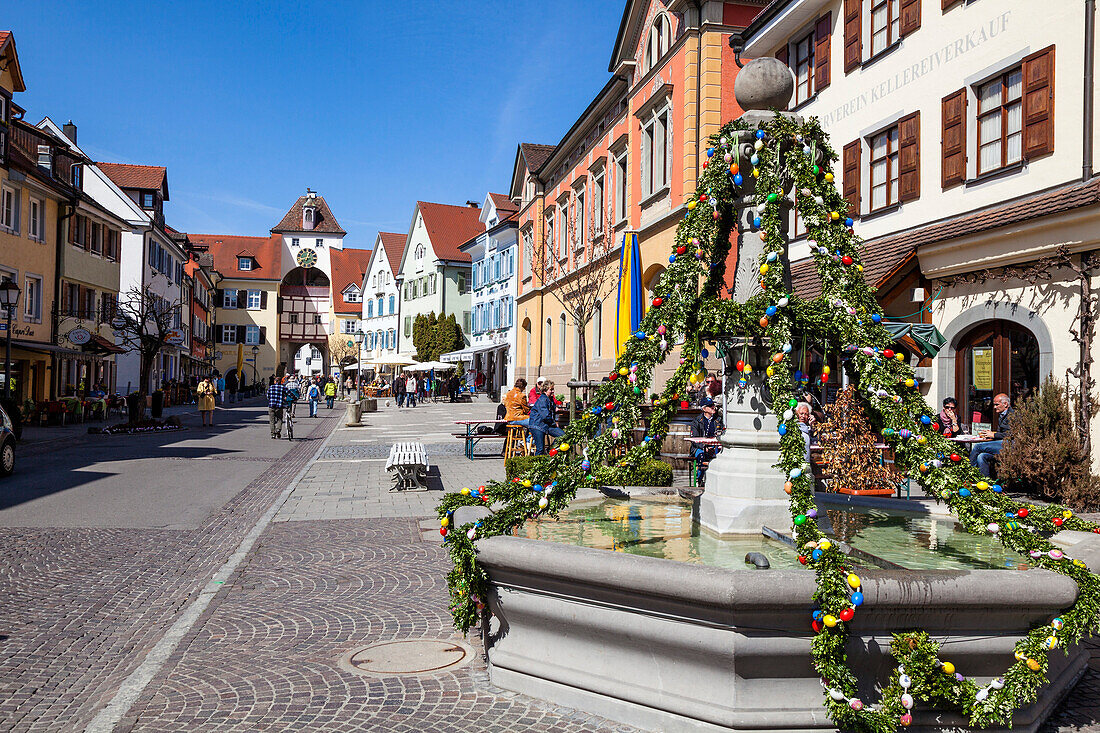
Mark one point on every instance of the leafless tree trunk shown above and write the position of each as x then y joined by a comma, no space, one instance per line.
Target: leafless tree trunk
145,321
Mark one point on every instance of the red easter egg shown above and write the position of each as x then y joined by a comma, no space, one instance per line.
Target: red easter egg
683,405
681,249
610,406
613,376
1057,521
740,366
443,531
657,301
889,354
702,197
816,626
1022,513
553,452
956,457
847,614
846,260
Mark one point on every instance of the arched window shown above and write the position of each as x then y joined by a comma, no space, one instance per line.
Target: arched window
597,331
994,358
657,42
392,309
549,334
379,305
561,338
419,251
370,309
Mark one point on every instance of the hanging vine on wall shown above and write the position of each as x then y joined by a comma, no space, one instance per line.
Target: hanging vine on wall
846,318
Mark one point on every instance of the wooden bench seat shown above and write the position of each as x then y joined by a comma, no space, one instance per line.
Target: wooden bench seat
409,463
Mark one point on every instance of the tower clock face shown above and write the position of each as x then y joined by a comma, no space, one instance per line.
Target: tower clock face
307,258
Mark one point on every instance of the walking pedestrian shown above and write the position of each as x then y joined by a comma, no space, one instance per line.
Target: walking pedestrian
399,391
205,391
221,389
276,400
330,392
231,385
411,388
313,394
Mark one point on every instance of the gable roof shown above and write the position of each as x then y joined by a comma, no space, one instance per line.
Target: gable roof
126,175
324,222
393,244
449,226
503,204
7,49
348,268
226,248
531,156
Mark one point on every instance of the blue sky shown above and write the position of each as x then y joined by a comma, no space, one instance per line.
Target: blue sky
374,105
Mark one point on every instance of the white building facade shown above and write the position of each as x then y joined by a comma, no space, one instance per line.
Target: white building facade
381,314
966,139
493,253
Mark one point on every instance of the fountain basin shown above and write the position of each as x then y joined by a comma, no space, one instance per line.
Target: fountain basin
666,645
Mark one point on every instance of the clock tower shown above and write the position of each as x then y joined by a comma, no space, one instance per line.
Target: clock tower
309,233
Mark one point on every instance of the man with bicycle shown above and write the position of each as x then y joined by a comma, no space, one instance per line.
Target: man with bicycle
277,396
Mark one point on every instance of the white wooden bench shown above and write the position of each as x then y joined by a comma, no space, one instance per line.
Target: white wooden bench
409,463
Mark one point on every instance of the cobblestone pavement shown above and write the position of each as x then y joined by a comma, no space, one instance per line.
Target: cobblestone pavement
81,607
344,565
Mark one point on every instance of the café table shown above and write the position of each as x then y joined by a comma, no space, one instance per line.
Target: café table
471,436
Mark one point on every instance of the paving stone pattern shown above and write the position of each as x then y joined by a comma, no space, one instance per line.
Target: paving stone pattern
81,607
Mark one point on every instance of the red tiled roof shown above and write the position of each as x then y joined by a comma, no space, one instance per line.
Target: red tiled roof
504,204
449,226
536,155
325,222
266,251
393,244
125,175
16,73
348,266
883,256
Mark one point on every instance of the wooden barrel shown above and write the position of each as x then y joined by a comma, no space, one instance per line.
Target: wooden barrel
675,449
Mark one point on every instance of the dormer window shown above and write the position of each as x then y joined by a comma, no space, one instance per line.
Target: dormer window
45,158
244,264
147,200
353,294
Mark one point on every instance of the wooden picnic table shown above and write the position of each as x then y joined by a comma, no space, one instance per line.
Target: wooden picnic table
409,462
471,437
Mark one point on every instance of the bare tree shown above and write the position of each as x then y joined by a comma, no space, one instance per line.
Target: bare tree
340,353
145,322
579,279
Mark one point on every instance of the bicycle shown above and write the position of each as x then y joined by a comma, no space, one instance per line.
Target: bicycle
288,419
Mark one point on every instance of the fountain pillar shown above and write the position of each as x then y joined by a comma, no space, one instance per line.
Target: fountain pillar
743,489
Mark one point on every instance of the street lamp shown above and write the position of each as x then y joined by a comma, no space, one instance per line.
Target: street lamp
9,298
359,336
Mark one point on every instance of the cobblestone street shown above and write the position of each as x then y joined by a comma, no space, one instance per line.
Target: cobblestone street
328,561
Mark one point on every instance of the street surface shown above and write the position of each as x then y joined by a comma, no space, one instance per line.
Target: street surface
211,579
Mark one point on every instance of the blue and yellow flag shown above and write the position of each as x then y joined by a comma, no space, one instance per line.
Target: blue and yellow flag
631,307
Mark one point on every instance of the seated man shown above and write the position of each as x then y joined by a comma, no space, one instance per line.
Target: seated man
805,425
982,454
706,425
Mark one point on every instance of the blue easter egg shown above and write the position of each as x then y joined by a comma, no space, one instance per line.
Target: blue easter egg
997,488
738,179
876,318
710,152
646,439
742,383
782,429
773,256
857,599
639,334
798,376
757,222
925,420
848,222
755,160
759,134
964,493
537,487
671,259
704,353
771,310
816,555
806,150
818,614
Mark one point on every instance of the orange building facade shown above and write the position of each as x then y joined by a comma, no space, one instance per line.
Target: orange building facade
624,168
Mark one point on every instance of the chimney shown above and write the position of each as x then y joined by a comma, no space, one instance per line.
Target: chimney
70,131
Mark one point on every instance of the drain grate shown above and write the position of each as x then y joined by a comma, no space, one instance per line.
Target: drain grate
407,657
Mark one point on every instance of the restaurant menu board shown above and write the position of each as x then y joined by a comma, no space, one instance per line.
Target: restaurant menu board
983,367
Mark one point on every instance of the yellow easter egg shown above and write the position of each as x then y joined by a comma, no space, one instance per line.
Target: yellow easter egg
748,369
466,492
527,483
1033,665
444,522
828,177
623,371
755,173
770,371
853,580
691,205
824,545
764,269
899,357
563,446
1067,514
829,621
834,215
948,668
981,485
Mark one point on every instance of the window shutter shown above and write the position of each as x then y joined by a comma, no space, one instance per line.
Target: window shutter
783,54
263,334
851,171
853,34
242,299
909,157
1038,73
263,300
822,51
219,298
953,139
910,16
948,3
242,332
72,227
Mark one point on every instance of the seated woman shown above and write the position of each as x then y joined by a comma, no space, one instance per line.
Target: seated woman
949,418
543,419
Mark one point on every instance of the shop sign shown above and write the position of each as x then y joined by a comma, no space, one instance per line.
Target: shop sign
175,336
983,367
80,336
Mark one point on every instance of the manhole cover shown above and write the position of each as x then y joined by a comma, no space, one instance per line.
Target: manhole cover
407,657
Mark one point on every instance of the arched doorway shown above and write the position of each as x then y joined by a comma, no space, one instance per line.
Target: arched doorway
994,357
525,330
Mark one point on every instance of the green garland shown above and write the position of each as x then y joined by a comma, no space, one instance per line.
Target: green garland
847,317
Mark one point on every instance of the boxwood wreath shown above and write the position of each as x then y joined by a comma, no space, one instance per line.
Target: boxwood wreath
846,320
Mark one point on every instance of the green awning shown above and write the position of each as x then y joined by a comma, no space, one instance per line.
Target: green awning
926,336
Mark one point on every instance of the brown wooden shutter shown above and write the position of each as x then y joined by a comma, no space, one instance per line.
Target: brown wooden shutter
910,16
909,157
72,226
242,299
853,34
948,3
783,54
1038,73
263,334
852,172
263,300
822,51
241,333
953,139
